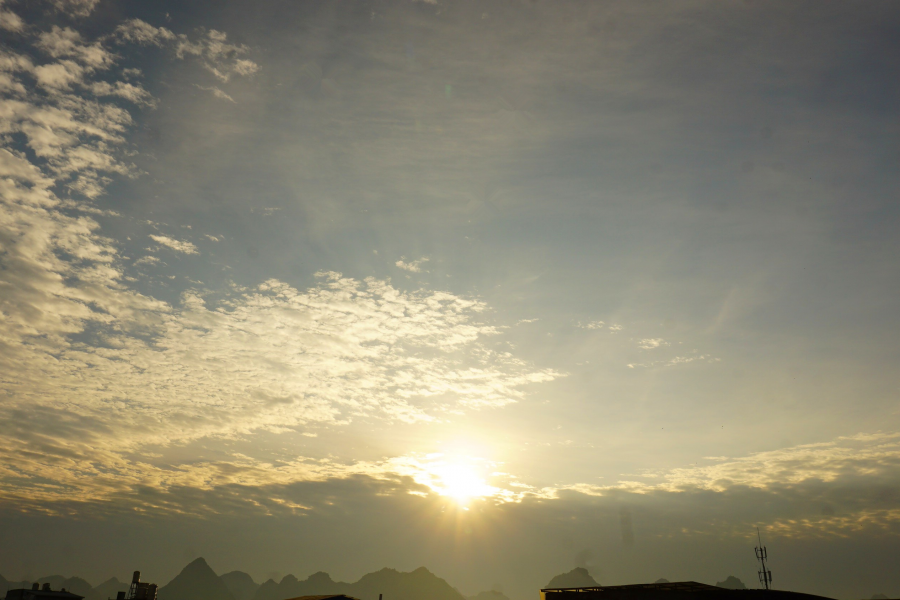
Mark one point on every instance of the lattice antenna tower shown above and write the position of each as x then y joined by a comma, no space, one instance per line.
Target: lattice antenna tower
765,575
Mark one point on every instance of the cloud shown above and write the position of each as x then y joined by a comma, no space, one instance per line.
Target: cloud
677,360
60,277
874,455
216,92
68,43
147,260
221,58
76,8
680,360
177,245
592,325
414,266
59,76
341,350
273,358
651,343
123,89
10,21
140,32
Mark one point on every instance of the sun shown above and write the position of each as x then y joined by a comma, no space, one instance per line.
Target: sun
460,482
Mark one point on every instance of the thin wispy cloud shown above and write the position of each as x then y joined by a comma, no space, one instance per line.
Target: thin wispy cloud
176,245
216,92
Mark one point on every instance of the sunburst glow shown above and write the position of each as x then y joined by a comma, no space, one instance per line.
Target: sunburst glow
460,482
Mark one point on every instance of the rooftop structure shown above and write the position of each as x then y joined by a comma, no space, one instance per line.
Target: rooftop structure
332,597
139,590
683,590
39,592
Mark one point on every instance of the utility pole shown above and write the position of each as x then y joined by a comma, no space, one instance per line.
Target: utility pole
765,576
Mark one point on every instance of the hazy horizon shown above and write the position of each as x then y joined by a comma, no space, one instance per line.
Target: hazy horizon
581,574
495,287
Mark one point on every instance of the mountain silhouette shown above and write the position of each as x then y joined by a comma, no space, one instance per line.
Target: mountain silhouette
197,581
732,583
76,585
13,585
240,584
661,580
318,584
267,590
107,589
577,577
395,585
418,584
489,595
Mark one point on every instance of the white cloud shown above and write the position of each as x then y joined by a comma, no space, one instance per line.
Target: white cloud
592,325
414,266
123,89
141,32
651,343
10,21
863,454
68,43
59,76
177,245
680,360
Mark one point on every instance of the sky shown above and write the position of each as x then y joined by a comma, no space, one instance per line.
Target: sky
495,287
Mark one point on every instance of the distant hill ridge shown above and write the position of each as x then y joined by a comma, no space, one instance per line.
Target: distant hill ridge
731,583
489,595
197,581
577,577
240,584
394,584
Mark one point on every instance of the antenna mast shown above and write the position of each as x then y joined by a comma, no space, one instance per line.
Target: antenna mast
765,576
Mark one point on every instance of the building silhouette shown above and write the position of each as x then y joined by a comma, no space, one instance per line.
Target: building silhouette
684,590
41,592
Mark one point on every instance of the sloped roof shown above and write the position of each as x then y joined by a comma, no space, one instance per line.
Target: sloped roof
26,594
677,586
678,590
323,597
